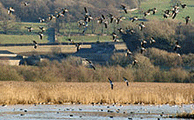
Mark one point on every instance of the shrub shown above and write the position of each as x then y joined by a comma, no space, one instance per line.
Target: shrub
8,73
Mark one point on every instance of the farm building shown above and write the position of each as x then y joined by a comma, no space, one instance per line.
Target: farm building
7,57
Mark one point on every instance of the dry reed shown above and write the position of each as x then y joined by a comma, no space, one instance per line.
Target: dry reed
77,92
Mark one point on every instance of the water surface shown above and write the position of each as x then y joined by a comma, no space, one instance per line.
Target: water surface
92,112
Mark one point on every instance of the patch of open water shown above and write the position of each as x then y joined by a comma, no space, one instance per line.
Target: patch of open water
92,112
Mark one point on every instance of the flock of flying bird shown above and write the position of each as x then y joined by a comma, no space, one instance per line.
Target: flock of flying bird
105,21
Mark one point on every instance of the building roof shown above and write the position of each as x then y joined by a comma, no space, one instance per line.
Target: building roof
6,52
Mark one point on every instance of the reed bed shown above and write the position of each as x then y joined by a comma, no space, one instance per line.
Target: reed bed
13,92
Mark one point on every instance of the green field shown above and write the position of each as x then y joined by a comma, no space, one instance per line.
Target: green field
164,5
71,30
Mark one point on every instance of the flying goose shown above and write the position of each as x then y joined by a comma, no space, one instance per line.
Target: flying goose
133,19
147,12
51,16
187,18
29,29
10,10
35,44
154,10
41,19
40,34
70,40
134,62
126,81
25,3
183,5
41,28
124,8
91,64
129,52
64,10
111,83
118,19
141,26
143,43
152,40
112,18
78,46
142,50
81,23
114,35
177,46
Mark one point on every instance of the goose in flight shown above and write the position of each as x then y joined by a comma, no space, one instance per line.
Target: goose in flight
114,35
35,44
29,29
126,81
40,34
133,19
41,28
25,3
177,46
152,40
134,62
10,10
141,26
124,8
111,83
112,18
91,64
187,19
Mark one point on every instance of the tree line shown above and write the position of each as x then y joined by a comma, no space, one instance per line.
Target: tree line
41,8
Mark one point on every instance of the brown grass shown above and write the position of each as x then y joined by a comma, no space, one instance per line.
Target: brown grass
86,93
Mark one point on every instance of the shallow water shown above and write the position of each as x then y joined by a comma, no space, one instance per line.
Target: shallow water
91,112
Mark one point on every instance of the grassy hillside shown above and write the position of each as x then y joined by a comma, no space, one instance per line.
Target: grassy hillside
164,5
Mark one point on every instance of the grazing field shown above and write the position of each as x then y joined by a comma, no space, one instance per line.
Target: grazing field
164,5
86,93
